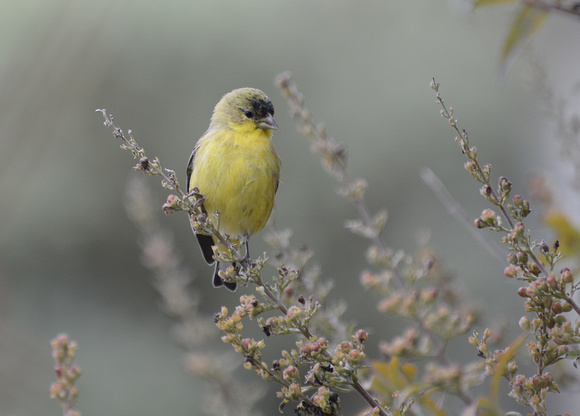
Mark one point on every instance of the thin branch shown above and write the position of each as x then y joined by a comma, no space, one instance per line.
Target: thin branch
453,207
557,6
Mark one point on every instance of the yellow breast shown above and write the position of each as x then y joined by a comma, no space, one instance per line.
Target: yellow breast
237,172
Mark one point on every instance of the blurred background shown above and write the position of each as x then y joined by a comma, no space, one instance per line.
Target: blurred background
69,256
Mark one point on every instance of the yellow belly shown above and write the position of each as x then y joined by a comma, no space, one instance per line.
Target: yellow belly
238,175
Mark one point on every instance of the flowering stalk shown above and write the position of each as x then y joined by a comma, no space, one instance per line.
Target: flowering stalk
437,324
67,373
548,294
295,319
192,203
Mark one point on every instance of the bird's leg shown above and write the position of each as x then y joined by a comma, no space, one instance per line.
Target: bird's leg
247,260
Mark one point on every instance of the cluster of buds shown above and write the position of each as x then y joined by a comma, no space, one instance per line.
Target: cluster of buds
354,190
521,267
448,322
376,281
409,345
517,239
532,391
173,203
64,389
407,303
544,294
481,174
315,349
326,371
349,354
285,370
504,187
519,209
325,400
564,334
383,257
449,378
251,305
497,360
322,374
488,219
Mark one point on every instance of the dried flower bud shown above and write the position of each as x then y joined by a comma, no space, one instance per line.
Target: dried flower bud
488,216
522,258
282,80
362,336
294,388
345,346
566,275
485,190
525,208
531,290
171,204
510,271
504,184
469,166
511,258
534,269
247,343
289,372
524,323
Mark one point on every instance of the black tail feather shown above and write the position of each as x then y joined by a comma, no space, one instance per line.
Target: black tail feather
217,280
206,243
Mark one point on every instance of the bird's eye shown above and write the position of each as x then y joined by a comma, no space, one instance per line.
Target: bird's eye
249,114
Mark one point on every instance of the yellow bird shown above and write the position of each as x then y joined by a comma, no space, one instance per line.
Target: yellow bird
236,169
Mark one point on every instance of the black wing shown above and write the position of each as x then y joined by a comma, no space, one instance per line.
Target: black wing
205,241
190,164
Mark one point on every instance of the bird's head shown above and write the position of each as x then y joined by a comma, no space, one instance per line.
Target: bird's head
245,109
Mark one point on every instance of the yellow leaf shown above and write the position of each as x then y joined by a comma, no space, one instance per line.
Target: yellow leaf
379,387
391,376
410,371
526,24
566,233
501,365
481,3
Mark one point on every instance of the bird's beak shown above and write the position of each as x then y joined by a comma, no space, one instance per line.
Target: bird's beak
268,123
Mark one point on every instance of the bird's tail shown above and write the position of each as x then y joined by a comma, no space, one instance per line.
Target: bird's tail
217,280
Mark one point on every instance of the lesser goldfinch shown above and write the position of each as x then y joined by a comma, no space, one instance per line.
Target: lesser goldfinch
236,169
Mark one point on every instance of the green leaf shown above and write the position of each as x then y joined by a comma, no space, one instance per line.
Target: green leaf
526,24
482,3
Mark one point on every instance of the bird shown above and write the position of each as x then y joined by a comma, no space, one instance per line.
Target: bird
236,169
